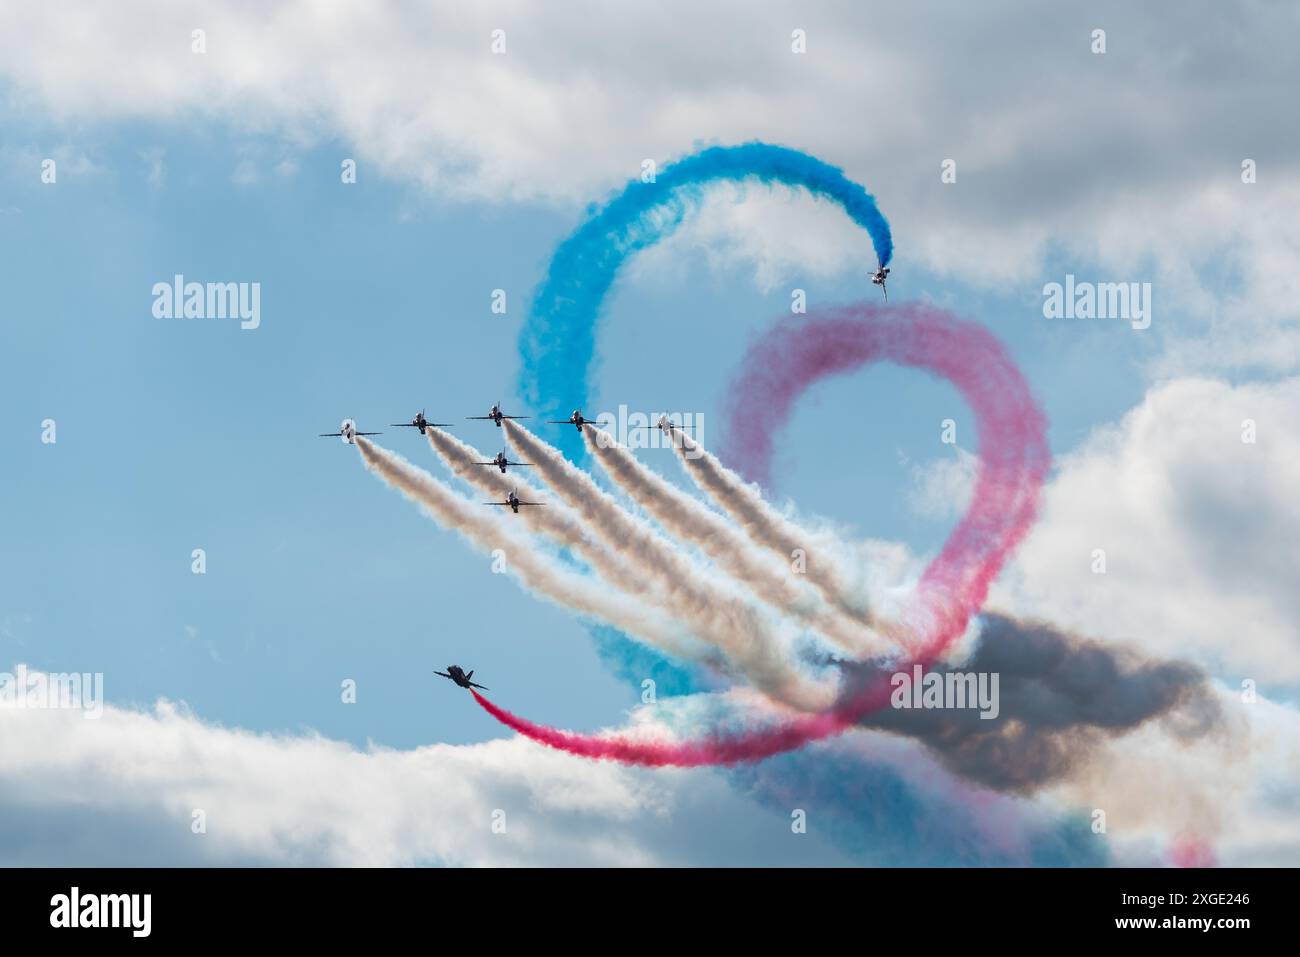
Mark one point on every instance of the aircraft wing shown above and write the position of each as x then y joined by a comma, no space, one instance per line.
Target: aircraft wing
442,673
334,434
508,462
502,503
516,416
367,433
485,417
404,425
475,684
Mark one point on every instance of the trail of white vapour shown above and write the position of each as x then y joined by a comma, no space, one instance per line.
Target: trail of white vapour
685,517
555,519
622,531
538,570
766,526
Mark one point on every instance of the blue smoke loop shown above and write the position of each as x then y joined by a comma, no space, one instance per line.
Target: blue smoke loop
558,339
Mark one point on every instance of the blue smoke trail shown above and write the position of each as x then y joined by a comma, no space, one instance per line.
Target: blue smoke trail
558,339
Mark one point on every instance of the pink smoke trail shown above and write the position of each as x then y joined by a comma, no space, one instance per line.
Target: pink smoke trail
1013,461
1011,429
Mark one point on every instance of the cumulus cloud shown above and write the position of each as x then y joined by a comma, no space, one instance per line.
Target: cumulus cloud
305,799
1234,792
73,787
1198,530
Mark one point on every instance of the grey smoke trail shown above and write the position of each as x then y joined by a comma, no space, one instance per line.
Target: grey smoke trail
721,613
537,570
688,519
764,524
1061,697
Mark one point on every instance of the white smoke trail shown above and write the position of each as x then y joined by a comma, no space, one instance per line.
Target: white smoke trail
536,569
717,612
671,569
556,519
765,525
686,518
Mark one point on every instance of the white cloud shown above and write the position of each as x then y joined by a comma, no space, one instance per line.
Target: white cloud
1198,527
305,799
1233,792
75,788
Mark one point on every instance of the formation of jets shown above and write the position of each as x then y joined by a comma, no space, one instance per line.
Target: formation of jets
496,416
457,674
348,432
575,419
348,429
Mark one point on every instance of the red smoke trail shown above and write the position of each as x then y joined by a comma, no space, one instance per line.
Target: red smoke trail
713,749
1013,461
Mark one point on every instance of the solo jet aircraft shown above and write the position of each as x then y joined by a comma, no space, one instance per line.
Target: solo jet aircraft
576,420
457,674
347,431
500,461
